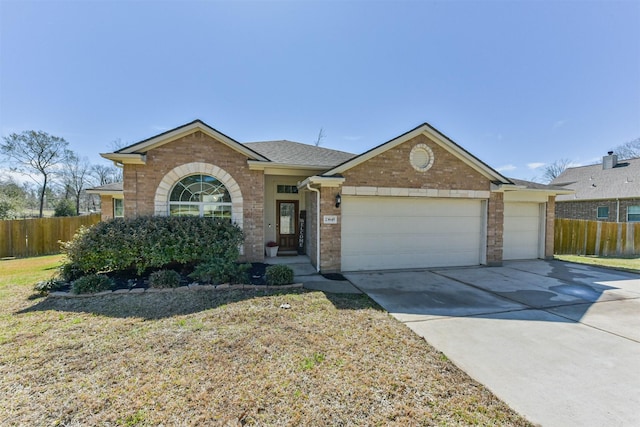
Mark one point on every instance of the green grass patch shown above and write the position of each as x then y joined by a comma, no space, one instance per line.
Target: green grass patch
631,264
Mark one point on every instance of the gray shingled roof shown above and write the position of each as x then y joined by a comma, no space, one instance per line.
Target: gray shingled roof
296,153
594,183
534,185
116,186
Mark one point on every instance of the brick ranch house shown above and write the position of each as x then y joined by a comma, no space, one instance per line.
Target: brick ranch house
419,200
609,191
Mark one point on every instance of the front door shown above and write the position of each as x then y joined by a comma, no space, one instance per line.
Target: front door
287,225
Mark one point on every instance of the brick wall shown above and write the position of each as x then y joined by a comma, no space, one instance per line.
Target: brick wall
106,207
141,182
588,209
495,228
392,169
330,234
550,227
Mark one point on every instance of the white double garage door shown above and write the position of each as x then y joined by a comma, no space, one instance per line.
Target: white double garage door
380,233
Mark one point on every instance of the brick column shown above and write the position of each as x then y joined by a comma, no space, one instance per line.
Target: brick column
330,234
550,229
495,229
106,207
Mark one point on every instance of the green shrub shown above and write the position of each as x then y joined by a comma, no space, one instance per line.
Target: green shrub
164,279
70,272
91,284
152,242
51,285
65,208
279,275
217,271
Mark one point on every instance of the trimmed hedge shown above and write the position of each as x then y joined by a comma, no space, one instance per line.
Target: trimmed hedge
279,275
151,242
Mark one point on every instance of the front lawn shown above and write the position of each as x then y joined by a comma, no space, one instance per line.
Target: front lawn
221,358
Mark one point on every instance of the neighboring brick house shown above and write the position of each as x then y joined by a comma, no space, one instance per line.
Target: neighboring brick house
419,200
609,191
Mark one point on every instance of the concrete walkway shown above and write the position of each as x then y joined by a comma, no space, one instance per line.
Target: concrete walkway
306,274
558,342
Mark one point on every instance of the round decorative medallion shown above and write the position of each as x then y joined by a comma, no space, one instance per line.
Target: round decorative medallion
421,157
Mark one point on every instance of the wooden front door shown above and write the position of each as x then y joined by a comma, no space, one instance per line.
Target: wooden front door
287,225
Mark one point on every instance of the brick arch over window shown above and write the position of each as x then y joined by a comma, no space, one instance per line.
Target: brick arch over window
161,200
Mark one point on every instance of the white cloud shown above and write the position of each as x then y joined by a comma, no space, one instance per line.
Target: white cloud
535,165
558,124
506,168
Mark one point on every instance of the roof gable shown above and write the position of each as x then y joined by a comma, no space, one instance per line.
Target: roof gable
434,135
127,154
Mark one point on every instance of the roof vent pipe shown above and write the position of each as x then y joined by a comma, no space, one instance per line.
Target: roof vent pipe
609,161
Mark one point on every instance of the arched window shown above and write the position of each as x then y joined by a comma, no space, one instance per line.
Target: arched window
200,195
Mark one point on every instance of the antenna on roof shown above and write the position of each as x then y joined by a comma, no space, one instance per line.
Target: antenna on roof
321,136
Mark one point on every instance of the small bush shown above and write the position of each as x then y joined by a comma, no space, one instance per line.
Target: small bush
91,284
50,285
70,272
279,275
219,271
65,208
164,279
152,242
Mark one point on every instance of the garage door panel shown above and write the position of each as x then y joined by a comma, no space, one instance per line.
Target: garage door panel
521,234
393,232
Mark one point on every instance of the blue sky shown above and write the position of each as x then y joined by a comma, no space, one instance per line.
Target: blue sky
517,84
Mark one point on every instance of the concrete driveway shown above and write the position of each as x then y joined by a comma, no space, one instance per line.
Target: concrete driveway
559,342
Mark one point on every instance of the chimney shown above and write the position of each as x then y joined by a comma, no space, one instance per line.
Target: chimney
609,161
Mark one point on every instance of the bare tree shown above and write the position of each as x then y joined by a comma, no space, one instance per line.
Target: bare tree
76,176
553,170
36,152
628,150
106,174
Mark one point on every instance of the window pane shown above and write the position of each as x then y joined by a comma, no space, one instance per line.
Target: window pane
287,218
184,210
603,212
217,211
118,208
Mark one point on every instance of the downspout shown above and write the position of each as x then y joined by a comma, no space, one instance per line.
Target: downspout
617,210
317,227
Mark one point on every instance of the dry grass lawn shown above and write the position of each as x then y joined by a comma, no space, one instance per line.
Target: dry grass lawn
221,358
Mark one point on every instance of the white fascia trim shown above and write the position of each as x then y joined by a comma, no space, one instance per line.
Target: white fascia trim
503,188
186,130
273,167
116,194
129,159
433,135
322,181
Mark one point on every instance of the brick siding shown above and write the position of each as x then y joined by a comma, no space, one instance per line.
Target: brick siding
141,182
588,209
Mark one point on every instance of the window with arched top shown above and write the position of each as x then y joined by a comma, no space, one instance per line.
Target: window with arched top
200,195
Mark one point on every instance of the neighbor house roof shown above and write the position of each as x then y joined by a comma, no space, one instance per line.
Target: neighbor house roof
296,153
114,188
595,183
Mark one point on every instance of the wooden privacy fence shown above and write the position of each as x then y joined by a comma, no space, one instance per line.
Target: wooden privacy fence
39,236
581,237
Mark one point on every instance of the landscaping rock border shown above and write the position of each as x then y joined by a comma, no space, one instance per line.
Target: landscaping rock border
191,287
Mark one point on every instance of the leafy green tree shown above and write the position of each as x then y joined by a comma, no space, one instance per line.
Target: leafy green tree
36,152
65,207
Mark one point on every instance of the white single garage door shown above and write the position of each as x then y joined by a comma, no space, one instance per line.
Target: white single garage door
381,233
522,238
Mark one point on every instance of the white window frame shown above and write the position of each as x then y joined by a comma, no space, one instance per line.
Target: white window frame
636,208
115,208
205,204
598,212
